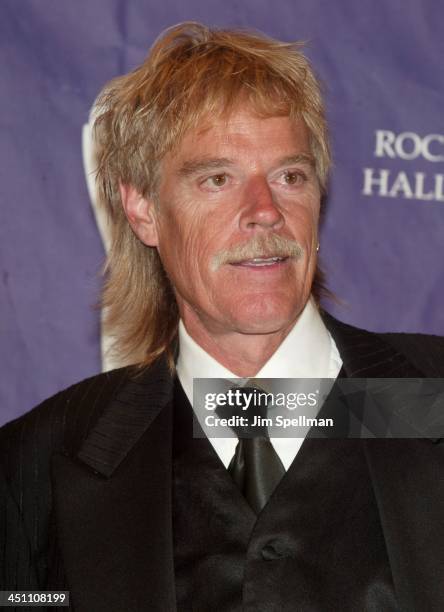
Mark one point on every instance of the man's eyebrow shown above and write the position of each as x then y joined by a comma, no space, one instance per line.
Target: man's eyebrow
194,166
298,158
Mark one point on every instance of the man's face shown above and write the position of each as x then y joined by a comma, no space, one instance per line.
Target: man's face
226,197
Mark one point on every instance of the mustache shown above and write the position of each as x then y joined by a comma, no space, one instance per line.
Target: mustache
264,246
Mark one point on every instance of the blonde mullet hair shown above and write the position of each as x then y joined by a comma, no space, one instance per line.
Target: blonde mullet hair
192,74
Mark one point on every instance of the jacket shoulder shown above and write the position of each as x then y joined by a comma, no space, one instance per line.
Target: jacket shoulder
61,422
425,352
27,446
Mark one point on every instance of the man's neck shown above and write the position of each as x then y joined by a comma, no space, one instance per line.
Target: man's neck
242,354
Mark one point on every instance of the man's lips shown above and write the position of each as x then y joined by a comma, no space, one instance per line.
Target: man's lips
260,262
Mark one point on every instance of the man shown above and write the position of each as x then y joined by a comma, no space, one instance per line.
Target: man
213,159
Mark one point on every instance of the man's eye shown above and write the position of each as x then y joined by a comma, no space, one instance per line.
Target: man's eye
218,180
215,182
293,178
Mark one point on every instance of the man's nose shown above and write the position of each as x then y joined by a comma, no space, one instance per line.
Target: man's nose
259,208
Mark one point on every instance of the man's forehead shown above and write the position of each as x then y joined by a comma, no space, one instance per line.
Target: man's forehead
240,121
224,137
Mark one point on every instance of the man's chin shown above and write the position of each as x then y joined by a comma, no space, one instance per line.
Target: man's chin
265,323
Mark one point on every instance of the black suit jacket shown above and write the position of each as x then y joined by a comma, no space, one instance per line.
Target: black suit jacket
86,485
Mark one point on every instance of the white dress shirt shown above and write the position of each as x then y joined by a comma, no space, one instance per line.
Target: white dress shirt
308,351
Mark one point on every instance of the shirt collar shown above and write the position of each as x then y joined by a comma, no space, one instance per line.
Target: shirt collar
308,351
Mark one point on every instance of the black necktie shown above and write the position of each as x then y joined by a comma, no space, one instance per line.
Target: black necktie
256,468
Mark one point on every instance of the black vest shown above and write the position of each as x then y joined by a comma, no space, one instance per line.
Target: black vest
317,546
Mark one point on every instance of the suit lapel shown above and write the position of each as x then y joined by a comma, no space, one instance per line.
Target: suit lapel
126,418
366,354
113,503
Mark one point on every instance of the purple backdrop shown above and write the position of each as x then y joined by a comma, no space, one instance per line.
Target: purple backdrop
382,236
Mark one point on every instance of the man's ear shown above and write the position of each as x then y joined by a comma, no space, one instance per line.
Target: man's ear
140,214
